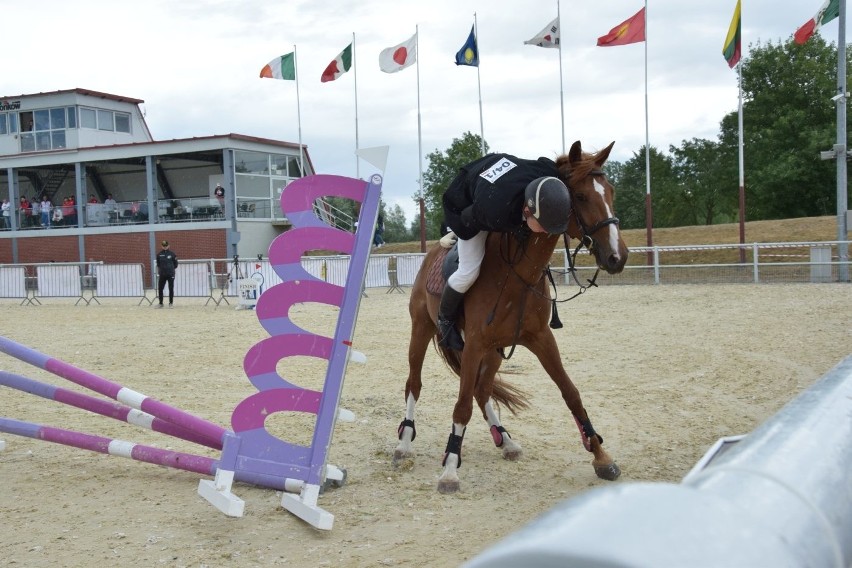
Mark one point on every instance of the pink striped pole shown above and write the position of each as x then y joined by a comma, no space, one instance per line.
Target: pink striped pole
115,391
104,408
177,460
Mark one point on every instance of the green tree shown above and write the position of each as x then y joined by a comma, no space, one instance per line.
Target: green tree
443,167
708,191
395,229
788,118
629,181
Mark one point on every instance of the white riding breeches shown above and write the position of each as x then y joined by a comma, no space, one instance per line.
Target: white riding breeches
471,253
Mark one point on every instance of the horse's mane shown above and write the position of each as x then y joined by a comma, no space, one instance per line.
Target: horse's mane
581,169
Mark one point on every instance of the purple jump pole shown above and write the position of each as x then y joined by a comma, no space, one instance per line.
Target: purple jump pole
177,460
104,408
115,391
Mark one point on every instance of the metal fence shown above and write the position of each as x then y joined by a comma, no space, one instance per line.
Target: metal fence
793,262
218,279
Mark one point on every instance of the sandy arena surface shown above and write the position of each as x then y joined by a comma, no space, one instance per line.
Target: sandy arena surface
664,371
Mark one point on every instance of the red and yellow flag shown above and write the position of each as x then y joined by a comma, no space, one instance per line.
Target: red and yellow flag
631,30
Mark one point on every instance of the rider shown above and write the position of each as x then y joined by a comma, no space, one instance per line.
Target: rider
496,193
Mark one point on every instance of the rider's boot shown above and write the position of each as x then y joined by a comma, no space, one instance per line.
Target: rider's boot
448,313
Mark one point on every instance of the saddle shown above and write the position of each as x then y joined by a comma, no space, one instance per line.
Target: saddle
445,264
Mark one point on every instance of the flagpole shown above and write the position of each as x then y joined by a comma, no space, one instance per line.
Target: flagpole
355,74
649,215
841,149
479,82
742,160
561,94
298,112
419,141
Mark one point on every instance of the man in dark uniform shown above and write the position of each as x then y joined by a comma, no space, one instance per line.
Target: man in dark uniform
496,193
166,264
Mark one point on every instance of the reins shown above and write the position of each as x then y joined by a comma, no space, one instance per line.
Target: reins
586,241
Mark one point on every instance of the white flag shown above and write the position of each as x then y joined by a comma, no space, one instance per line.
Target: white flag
399,57
548,37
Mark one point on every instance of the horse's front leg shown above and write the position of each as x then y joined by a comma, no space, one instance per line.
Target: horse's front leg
422,330
471,358
487,371
544,347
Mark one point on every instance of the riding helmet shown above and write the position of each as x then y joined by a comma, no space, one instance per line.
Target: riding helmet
549,202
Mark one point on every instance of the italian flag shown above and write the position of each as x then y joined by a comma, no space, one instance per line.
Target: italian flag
829,10
341,64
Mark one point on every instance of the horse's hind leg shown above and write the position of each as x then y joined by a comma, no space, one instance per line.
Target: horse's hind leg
422,330
511,449
544,347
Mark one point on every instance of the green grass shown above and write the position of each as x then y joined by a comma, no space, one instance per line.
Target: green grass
804,229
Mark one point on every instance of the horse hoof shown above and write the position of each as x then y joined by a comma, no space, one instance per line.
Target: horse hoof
512,455
403,460
609,472
445,487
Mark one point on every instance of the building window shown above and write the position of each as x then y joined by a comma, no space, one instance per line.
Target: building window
4,123
72,117
88,118
105,121
122,122
57,118
27,142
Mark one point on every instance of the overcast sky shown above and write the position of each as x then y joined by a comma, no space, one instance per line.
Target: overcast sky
196,63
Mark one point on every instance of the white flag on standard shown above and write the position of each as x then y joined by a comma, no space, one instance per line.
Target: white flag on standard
400,56
548,37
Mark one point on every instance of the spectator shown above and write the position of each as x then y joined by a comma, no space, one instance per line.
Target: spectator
378,241
26,215
92,198
6,208
45,208
110,201
58,217
36,211
219,192
166,264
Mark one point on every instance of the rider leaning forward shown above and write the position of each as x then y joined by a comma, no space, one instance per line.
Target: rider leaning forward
498,193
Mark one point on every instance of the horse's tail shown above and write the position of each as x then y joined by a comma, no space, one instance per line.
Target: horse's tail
505,394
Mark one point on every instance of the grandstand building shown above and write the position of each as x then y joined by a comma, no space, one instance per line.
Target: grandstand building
120,192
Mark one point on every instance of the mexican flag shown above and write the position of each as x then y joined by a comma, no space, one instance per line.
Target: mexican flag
829,10
341,64
283,67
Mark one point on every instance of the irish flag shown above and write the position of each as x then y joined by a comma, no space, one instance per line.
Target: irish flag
732,50
829,10
283,67
341,64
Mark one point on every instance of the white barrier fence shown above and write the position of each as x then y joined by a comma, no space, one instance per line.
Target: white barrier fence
215,279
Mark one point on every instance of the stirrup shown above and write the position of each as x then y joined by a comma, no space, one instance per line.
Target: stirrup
450,336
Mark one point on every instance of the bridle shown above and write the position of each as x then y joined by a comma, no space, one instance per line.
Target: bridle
586,240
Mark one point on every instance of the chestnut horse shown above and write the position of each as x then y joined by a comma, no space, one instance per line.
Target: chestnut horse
508,305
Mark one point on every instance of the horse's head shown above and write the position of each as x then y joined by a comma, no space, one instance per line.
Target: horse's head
592,218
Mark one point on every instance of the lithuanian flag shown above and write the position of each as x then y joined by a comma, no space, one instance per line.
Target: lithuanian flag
732,50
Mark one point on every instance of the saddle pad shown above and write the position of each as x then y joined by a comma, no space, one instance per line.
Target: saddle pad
435,280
